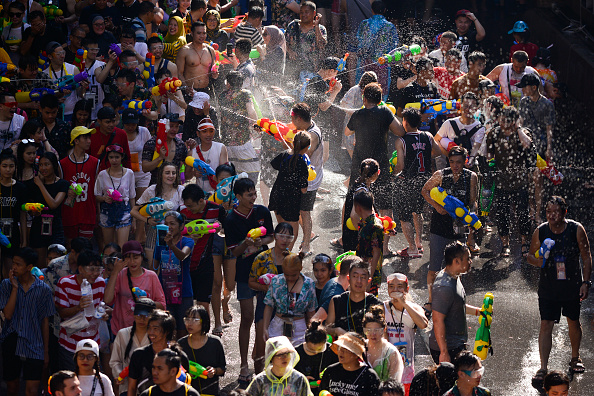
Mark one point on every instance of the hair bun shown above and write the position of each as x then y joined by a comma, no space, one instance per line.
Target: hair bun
286,253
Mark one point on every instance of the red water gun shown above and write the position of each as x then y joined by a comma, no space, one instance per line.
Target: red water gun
79,59
387,223
161,138
339,68
167,85
280,131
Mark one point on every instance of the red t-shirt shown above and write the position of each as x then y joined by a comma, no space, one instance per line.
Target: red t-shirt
99,142
530,49
84,210
444,80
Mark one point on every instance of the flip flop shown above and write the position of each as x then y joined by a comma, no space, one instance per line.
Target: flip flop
404,254
307,254
390,253
336,243
218,331
227,317
576,365
316,236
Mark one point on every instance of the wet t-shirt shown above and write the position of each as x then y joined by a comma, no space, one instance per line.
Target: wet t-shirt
340,382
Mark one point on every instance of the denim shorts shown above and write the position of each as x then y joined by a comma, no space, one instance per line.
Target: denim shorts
244,292
115,214
220,249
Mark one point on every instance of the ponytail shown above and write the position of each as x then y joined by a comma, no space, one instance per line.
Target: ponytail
369,167
300,142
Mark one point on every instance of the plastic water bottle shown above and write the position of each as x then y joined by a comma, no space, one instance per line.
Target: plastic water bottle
100,311
87,290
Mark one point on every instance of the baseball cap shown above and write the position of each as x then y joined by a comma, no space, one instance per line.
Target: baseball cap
144,306
205,123
51,47
462,12
174,117
519,27
132,247
80,130
130,116
87,345
486,84
199,99
105,113
528,79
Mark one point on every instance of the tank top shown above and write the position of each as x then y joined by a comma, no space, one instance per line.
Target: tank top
443,225
565,252
417,154
84,210
211,157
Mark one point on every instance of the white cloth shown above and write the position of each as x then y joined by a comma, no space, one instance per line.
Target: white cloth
118,361
437,54
136,146
125,185
86,384
211,157
174,196
447,131
299,327
67,70
10,130
95,89
401,329
508,78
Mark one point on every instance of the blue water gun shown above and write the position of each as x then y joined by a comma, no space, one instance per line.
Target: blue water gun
71,82
545,250
224,191
37,273
200,165
6,67
33,95
455,207
4,240
138,292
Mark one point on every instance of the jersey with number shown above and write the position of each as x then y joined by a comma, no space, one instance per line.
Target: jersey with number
417,154
84,173
95,91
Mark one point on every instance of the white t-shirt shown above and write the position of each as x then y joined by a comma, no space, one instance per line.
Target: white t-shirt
86,385
447,130
437,54
10,130
136,147
171,107
67,70
95,91
401,332
125,185
140,47
174,196
211,157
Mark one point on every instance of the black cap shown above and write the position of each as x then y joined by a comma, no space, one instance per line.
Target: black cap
174,117
130,116
144,306
528,79
105,113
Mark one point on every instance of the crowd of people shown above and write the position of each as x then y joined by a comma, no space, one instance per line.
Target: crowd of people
136,134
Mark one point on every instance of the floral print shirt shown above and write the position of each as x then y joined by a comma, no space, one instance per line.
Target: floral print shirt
235,126
296,304
371,235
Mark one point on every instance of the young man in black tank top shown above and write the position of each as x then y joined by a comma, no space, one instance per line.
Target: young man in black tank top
561,287
461,183
415,150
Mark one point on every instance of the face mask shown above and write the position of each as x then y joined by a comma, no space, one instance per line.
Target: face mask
396,294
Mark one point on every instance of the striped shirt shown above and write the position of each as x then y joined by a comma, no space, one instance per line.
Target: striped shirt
32,306
68,295
246,30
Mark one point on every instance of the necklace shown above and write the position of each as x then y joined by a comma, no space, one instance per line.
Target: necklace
206,154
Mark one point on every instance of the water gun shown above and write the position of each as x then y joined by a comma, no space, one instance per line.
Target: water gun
4,80
549,170
114,194
167,85
266,279
455,207
224,191
341,257
43,62
162,127
311,170
138,292
279,130
215,67
387,223
7,67
257,232
32,207
149,70
37,273
436,106
325,393
77,188
399,54
137,105
545,250
183,376
52,11
33,95
487,189
315,383
236,21
123,374
197,370
156,208
201,227
200,165
482,341
339,68
393,161
4,240
79,58
71,82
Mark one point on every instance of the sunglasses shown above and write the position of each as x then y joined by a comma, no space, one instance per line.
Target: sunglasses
321,258
116,148
27,141
474,373
15,14
10,104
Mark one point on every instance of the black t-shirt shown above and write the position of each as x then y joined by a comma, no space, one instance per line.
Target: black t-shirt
348,314
40,42
141,363
417,161
35,195
340,382
443,225
237,226
313,366
403,73
184,390
467,43
128,13
316,94
11,200
211,354
414,93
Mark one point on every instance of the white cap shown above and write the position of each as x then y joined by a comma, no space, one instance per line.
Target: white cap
87,345
199,99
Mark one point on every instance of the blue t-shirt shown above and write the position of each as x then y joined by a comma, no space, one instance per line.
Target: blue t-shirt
169,261
331,288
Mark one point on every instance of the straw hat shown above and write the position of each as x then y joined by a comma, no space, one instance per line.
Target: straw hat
350,342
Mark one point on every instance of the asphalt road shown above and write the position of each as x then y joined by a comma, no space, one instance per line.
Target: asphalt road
516,319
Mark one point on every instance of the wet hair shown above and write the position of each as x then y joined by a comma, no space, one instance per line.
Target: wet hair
113,100
29,255
348,262
557,200
520,56
368,168
375,314
458,150
364,199
146,7
128,32
449,35
243,185
476,56
87,258
510,113
20,160
454,250
193,192
310,4
82,105
53,159
89,40
7,154
196,5
283,226
154,40
330,63
465,359
160,171
373,93
227,167
49,102
455,52
56,381
496,104
243,45
235,80
367,78
17,5
166,322
555,378
129,75
303,111
471,96
256,13
162,73
360,264
198,311
126,54
543,55
178,217
27,61
34,15
418,40
423,63
300,142
412,117
315,333
392,387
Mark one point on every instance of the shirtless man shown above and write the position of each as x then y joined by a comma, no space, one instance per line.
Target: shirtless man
194,62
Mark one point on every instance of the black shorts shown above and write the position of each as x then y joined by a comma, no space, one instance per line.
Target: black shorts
551,309
382,191
408,198
12,365
202,285
307,201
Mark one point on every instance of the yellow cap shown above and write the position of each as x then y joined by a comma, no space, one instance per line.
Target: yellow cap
80,130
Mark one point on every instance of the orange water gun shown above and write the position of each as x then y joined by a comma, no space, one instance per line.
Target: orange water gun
167,85
387,223
280,131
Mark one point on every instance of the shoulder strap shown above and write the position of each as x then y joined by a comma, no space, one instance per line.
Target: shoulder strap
455,126
150,389
109,142
211,179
